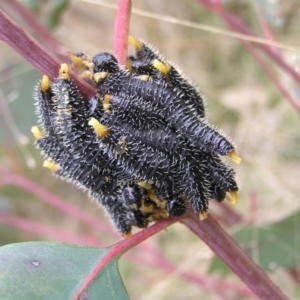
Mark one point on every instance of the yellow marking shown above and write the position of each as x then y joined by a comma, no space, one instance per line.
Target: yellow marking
163,68
106,103
143,77
145,185
37,133
45,83
234,156
135,43
203,215
127,234
76,60
153,197
158,214
80,62
101,130
88,64
128,65
50,165
133,206
146,208
86,74
100,76
64,72
232,197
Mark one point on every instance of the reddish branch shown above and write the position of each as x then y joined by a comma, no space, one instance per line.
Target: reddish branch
39,30
239,26
123,246
291,99
234,256
41,59
121,30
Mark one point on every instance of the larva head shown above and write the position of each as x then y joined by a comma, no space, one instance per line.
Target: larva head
105,62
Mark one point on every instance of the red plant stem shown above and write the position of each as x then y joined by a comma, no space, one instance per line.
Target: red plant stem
237,25
40,229
294,102
123,246
295,274
229,216
27,185
267,31
41,59
39,30
121,30
233,255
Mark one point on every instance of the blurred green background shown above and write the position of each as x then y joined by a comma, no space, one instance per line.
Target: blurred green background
241,99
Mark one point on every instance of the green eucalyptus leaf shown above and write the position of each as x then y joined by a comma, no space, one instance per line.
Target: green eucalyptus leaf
45,270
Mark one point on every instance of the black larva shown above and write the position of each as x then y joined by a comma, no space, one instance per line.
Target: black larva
141,146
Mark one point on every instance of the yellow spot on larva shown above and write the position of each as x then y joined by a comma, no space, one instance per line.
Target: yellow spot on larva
64,72
37,133
50,165
100,76
45,84
234,156
232,197
203,215
127,234
106,103
135,43
101,130
163,68
145,185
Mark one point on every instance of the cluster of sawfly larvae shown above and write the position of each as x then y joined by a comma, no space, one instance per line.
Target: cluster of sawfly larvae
141,146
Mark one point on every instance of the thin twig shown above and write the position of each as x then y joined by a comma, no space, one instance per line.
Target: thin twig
239,26
123,246
204,27
234,256
12,34
40,31
290,98
121,30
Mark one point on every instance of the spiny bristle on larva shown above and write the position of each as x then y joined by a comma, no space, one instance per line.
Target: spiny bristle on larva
235,157
101,130
50,165
64,72
203,215
145,185
232,197
45,84
135,43
37,133
163,68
